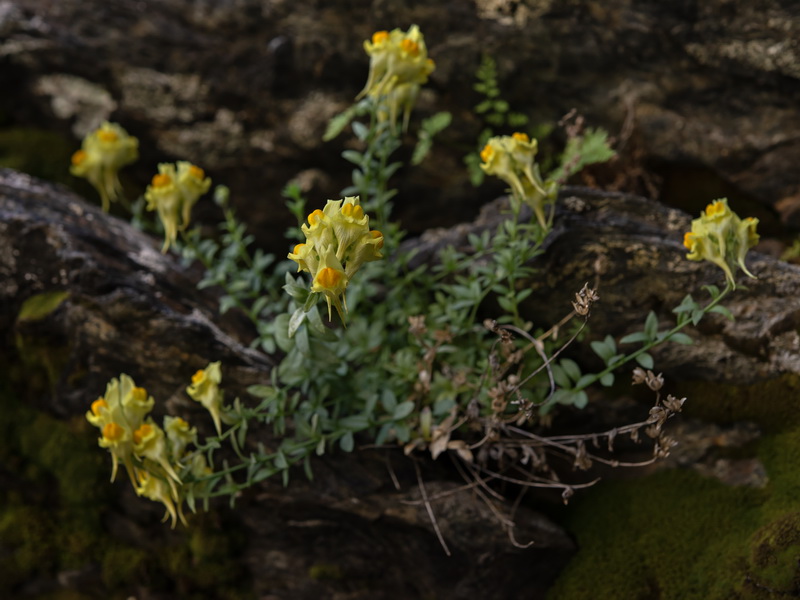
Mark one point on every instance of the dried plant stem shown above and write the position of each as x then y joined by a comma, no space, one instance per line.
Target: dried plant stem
429,509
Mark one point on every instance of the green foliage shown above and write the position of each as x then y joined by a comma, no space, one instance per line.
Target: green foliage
494,111
589,147
437,353
428,129
415,355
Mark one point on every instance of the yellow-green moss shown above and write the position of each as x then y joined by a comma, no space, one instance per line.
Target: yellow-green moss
123,565
53,518
38,152
322,571
680,535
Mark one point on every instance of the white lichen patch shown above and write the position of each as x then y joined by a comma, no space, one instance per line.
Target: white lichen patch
75,98
163,97
217,141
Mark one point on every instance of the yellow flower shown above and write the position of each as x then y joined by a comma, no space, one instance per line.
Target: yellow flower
118,413
192,183
399,65
103,153
180,435
163,195
305,257
512,159
721,237
149,442
205,390
348,221
172,193
331,281
157,489
366,249
338,242
118,440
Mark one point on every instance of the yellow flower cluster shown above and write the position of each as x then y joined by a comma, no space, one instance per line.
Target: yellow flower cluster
103,153
173,192
152,455
511,158
399,65
338,242
721,237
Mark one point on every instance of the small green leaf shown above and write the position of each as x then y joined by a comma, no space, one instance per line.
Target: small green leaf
681,338
354,422
347,442
631,338
687,304
561,378
388,400
571,368
562,396
39,306
607,380
723,311
296,321
354,157
361,130
580,400
501,106
602,350
402,410
261,391
310,301
280,460
226,303
437,122
645,360
651,326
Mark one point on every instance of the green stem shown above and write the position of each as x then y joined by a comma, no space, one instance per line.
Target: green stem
652,343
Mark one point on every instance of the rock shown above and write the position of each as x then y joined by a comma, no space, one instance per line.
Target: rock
631,250
700,98
109,302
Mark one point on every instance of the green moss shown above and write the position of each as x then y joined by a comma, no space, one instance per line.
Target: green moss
25,532
320,572
213,549
772,404
52,518
43,360
38,152
123,565
677,534
774,554
650,538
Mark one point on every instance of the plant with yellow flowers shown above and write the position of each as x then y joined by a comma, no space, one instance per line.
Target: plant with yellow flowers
338,242
433,356
172,193
721,237
160,462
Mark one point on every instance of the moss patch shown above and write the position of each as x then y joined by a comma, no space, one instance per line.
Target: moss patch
38,152
678,535
58,512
